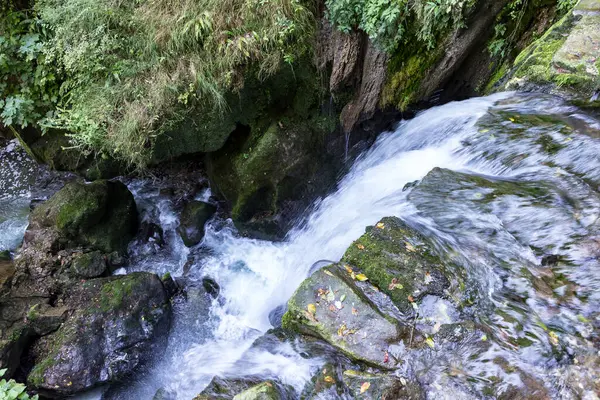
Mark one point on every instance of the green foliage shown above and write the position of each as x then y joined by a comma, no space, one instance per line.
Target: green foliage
390,22
131,70
565,5
28,85
11,390
511,21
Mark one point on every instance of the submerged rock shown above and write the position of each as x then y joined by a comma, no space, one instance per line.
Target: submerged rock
114,328
193,218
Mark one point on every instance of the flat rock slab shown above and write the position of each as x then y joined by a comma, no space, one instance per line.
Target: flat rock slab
331,306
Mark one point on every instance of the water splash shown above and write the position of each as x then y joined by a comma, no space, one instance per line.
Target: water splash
499,182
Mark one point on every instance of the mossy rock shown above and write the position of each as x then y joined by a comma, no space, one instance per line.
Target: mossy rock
192,220
55,149
225,389
403,263
89,265
117,323
330,305
101,215
566,59
264,170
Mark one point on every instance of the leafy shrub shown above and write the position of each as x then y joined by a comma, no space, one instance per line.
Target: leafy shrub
28,86
130,70
11,390
390,22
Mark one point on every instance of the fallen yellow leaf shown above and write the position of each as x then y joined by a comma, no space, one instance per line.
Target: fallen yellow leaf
348,268
361,277
364,387
409,247
430,342
312,308
360,246
328,272
380,225
328,379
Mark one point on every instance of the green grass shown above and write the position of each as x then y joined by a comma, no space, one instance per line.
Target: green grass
132,70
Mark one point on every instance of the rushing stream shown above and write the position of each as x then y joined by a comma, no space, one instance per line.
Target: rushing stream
508,185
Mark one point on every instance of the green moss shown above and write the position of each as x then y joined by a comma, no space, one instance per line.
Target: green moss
406,71
395,259
496,77
536,63
114,292
548,144
37,375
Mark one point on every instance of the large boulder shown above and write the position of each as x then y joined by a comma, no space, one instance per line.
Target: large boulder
392,291
115,326
101,215
565,60
269,173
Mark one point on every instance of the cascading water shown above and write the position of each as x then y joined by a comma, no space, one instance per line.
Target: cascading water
537,147
506,185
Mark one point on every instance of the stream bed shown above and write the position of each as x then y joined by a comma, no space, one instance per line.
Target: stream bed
508,185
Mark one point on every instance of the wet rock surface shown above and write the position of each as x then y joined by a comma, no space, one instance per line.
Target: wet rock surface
330,306
113,328
389,284
76,329
194,216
